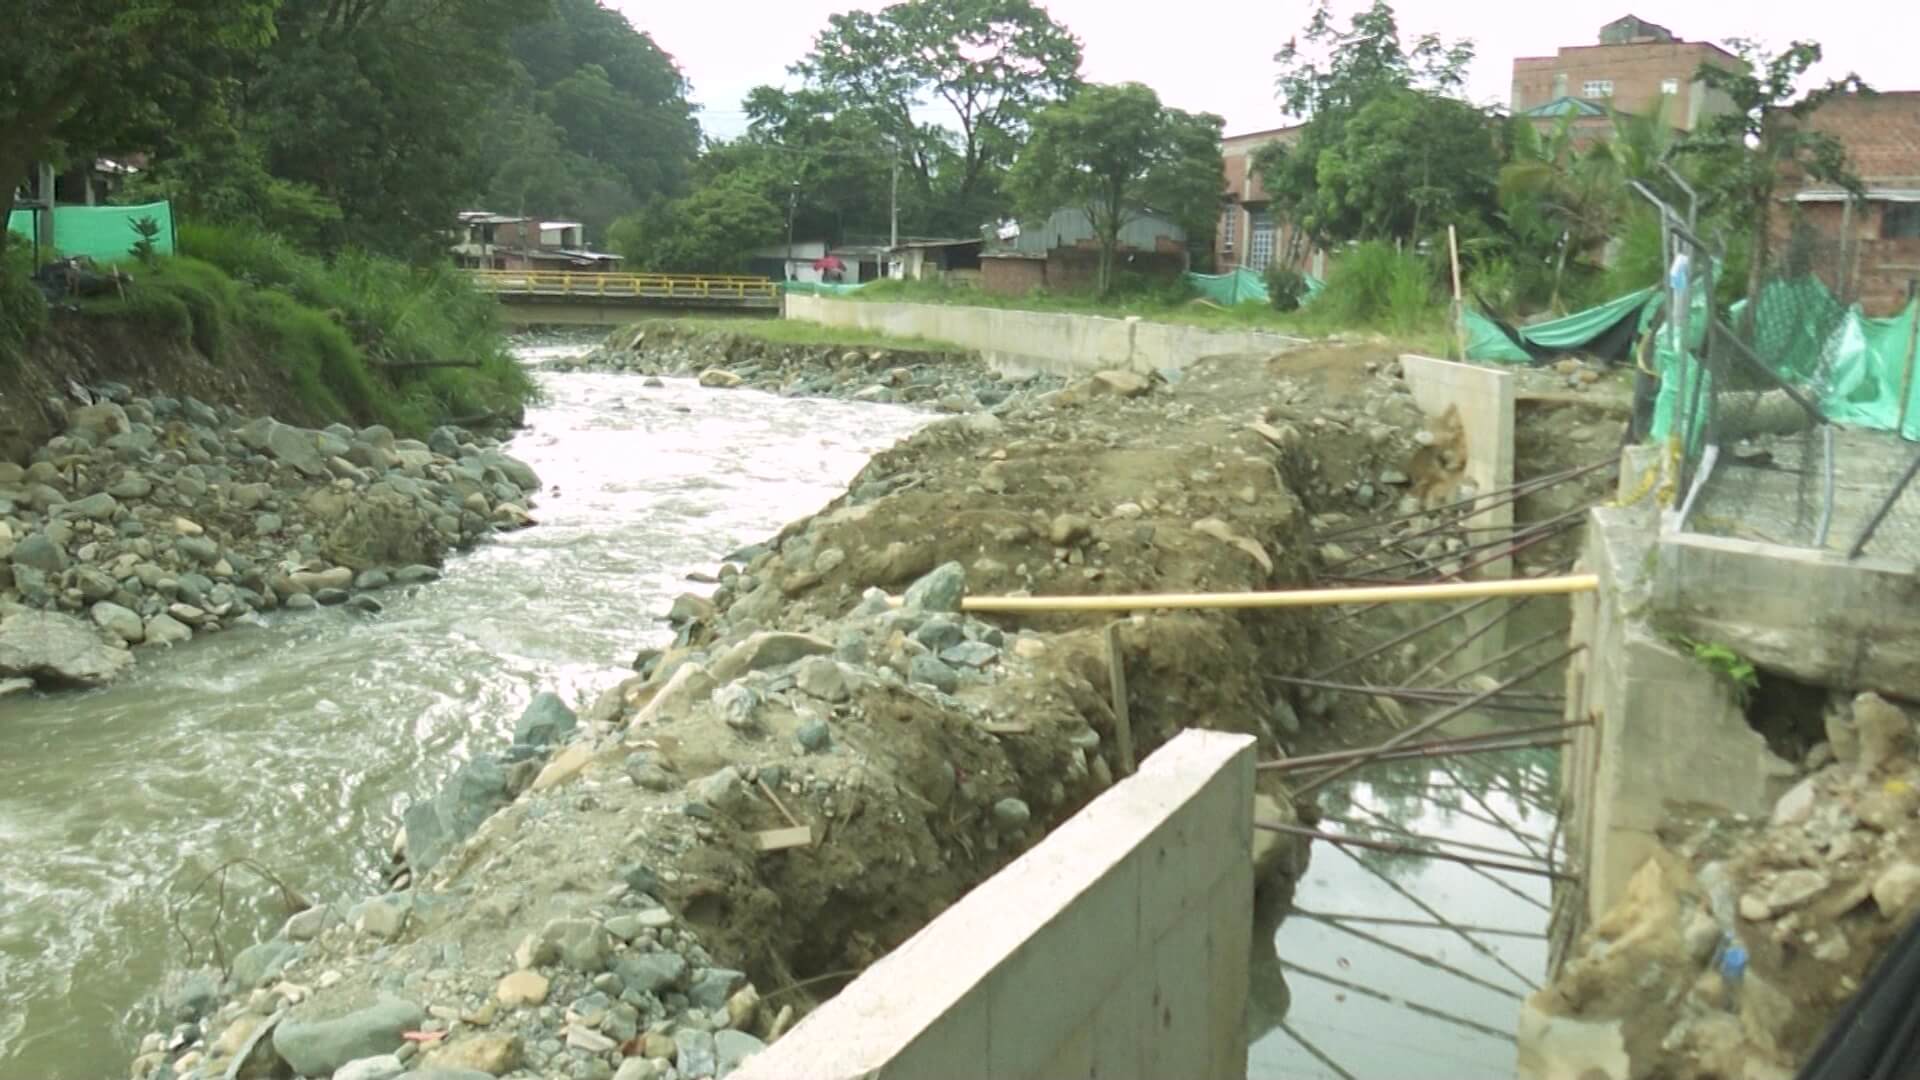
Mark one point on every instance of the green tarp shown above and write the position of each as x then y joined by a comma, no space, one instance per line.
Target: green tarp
1242,286
1486,341
100,232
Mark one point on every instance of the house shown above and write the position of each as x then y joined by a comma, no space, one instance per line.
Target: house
1867,249
956,261
790,262
490,241
1062,252
1634,65
1250,234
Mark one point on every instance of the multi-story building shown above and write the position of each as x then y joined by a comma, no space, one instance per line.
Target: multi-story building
1250,234
1868,249
1634,67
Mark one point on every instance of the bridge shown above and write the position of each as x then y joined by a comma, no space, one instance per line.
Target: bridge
551,297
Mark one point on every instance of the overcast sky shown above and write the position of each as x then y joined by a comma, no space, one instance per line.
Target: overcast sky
1217,55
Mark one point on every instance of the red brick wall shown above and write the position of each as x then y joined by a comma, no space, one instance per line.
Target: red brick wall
1881,134
1636,72
1078,268
1012,277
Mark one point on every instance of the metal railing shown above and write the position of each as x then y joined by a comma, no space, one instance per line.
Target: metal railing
638,286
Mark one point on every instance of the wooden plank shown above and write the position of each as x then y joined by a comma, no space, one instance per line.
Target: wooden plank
782,839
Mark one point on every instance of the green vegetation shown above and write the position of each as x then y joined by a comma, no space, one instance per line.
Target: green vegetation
23,312
1737,671
353,337
1111,150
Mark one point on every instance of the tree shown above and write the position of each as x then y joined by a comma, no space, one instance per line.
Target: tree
1745,153
1406,164
1332,77
1115,150
714,229
92,75
990,63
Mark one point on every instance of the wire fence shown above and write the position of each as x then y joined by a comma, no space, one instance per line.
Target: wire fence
1761,404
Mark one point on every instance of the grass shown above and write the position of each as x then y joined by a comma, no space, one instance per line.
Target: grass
1371,290
23,311
353,337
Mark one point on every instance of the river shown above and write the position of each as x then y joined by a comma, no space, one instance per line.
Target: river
299,743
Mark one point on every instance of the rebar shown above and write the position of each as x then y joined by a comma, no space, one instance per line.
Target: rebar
1442,717
1472,505
1421,958
1408,849
1385,920
1424,1010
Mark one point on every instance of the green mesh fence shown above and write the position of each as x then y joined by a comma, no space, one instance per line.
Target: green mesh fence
100,232
1242,286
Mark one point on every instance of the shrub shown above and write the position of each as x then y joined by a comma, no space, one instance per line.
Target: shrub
23,311
1286,287
1375,286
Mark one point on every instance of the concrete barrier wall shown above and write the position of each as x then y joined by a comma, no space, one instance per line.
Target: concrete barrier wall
1116,948
1482,397
1023,342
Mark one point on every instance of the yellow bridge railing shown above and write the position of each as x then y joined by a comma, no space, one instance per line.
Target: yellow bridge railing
651,286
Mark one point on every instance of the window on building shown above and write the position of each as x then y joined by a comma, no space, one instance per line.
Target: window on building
1670,87
1900,221
1597,88
1260,241
1229,219
1559,85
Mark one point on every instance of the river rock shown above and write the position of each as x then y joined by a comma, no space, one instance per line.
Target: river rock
382,1067
98,506
164,629
580,944
694,1053
39,553
59,649
813,735
970,654
372,579
257,963
711,987
933,672
1010,814
338,577
1896,887
119,621
734,1047
1883,729
821,677
318,1047
546,721
291,446
330,597
199,549
939,590
15,686
99,422
469,797
719,379
522,988
767,649
494,1054
518,473
650,973
94,583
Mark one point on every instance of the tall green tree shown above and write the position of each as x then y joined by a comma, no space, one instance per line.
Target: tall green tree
83,76
714,229
1113,151
1366,75
985,66
1745,153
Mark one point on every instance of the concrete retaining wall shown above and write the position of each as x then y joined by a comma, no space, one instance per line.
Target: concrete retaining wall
1482,397
1024,342
1116,948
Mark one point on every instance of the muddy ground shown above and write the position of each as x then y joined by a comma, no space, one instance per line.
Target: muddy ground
831,683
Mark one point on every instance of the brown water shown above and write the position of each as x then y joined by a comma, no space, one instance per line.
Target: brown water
298,743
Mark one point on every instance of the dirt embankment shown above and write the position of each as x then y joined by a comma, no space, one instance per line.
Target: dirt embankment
635,878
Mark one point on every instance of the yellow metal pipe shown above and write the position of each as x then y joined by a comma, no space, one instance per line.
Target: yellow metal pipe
1287,598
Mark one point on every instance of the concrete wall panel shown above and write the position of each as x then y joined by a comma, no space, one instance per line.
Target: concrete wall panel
1116,948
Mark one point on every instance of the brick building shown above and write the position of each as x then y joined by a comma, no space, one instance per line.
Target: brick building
1632,67
1870,248
1249,233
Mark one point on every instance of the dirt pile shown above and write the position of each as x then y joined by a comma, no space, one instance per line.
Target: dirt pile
831,752
1733,949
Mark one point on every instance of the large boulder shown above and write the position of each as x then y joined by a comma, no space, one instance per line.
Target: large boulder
768,649
39,552
470,796
58,649
546,721
292,446
384,529
318,1047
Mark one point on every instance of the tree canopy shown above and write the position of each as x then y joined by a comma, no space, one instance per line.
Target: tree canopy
80,77
1114,151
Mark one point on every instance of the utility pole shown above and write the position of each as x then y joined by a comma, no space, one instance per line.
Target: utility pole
893,207
793,198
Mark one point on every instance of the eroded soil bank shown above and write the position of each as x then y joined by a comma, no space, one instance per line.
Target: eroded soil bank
610,895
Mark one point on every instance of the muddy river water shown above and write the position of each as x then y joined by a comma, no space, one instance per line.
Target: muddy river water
298,743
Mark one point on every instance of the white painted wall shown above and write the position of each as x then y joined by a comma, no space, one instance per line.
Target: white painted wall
1116,948
1020,342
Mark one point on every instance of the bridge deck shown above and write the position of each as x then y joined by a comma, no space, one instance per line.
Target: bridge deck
638,290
